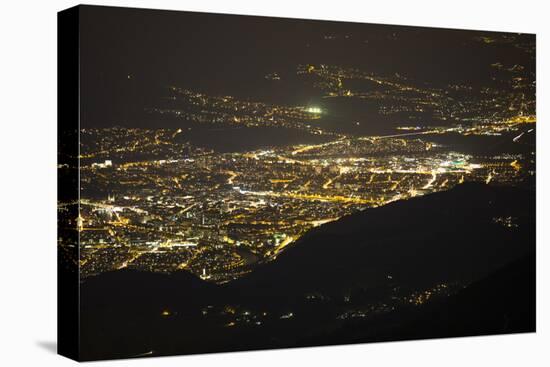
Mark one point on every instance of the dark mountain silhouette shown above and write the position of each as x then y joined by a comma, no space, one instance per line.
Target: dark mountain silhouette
454,263
502,303
444,236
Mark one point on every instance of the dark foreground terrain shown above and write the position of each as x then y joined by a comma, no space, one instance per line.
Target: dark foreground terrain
449,264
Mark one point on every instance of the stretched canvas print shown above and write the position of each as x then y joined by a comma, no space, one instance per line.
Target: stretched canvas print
231,183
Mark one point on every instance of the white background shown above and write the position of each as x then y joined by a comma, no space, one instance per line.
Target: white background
28,183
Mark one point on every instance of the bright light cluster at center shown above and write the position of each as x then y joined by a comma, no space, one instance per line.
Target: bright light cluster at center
314,110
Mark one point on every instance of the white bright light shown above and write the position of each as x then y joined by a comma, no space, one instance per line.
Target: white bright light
314,110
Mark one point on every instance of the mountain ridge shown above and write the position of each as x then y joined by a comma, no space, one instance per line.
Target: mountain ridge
376,275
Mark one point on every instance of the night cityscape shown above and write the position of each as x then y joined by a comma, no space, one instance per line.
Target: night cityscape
252,183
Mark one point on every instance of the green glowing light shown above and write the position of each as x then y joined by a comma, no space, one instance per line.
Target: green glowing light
314,110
